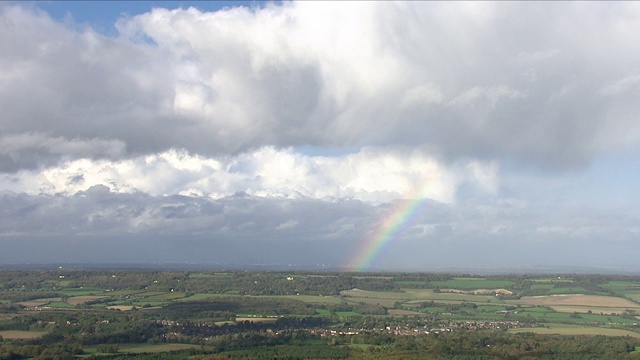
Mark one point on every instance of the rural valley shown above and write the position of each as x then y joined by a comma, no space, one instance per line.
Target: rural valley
61,313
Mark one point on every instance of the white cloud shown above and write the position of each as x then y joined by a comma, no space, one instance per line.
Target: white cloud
328,74
490,95
372,175
628,83
289,224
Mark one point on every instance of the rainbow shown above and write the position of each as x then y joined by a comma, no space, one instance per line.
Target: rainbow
399,221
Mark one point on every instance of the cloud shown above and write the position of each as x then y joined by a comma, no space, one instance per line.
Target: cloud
99,225
215,135
33,149
373,175
463,80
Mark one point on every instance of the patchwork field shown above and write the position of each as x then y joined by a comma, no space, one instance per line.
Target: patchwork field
38,302
427,294
585,309
478,291
560,329
401,312
324,304
357,293
78,300
472,283
577,300
311,299
371,301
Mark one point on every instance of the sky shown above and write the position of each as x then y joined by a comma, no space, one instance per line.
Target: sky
414,136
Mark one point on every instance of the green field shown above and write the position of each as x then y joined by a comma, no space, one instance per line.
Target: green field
323,312
210,275
422,295
472,284
19,334
196,297
567,290
146,348
59,304
81,291
245,312
347,313
377,294
562,329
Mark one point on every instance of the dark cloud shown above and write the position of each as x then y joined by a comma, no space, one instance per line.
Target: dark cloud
102,226
527,82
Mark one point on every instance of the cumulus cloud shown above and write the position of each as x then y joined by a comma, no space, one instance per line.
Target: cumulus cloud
373,175
528,82
194,128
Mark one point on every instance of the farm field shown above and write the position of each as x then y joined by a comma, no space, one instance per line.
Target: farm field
82,299
471,283
20,334
576,330
146,348
577,300
156,312
452,297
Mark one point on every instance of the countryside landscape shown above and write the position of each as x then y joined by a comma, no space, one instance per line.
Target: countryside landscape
61,313
383,180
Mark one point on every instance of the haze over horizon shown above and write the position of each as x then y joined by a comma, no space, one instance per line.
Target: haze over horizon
375,135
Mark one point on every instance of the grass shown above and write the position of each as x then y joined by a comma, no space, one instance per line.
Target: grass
323,312
59,304
552,280
536,309
403,312
577,300
372,301
81,291
124,292
472,284
347,313
363,346
311,299
562,329
203,296
38,302
18,334
410,283
634,297
76,300
431,309
166,296
422,295
377,294
199,296
542,286
620,286
585,309
209,276
140,304
567,290
146,348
